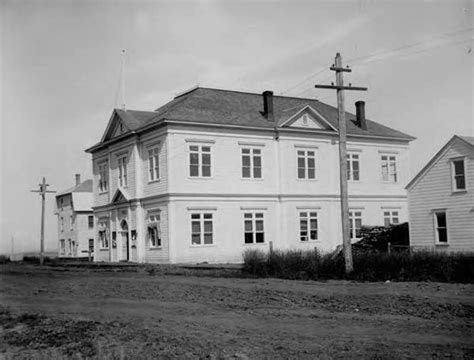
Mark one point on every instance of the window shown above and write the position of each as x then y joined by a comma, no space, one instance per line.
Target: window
441,227
459,175
61,224
62,203
122,168
253,228
69,246
91,245
201,229
62,247
199,161
103,176
154,229
390,218
389,168
103,234
71,217
308,225
90,221
355,224
353,167
306,164
251,163
153,164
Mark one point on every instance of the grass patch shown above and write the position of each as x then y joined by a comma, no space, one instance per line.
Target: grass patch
369,266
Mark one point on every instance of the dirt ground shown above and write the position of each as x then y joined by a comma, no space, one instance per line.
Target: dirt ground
48,313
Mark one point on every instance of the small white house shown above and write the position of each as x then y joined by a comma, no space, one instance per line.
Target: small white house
441,199
216,172
75,220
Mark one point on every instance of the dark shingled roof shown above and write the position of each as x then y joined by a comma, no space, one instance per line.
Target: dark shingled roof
468,139
85,186
226,107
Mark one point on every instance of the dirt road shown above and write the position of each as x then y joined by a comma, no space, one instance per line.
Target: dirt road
47,313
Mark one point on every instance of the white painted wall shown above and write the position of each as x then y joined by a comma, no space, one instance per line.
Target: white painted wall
434,191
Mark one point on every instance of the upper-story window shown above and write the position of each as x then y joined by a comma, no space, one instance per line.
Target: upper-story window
459,175
390,217
254,232
355,224
353,167
199,161
103,176
71,217
201,228
153,164
122,168
251,163
308,225
306,164
389,168
61,224
90,221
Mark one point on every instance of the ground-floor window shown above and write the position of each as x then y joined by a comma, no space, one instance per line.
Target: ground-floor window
390,217
154,229
355,224
441,227
202,228
91,245
308,225
103,233
69,247
62,247
254,232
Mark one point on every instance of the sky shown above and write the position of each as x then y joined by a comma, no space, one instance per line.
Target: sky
60,65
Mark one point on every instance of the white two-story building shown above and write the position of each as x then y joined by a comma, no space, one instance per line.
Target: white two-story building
215,172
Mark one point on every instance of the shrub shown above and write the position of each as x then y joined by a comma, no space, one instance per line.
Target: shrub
368,266
4,259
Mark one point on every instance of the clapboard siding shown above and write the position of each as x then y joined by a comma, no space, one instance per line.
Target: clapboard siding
434,191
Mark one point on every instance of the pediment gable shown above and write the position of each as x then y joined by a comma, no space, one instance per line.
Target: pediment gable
119,197
115,127
308,118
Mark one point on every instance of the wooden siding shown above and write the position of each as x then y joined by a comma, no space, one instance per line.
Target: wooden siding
434,191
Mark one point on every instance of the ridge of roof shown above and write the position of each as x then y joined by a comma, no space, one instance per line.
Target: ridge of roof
85,186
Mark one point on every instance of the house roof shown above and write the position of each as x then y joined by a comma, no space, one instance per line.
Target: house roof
466,139
227,107
85,186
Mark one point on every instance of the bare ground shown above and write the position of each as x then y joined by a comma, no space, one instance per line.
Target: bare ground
82,313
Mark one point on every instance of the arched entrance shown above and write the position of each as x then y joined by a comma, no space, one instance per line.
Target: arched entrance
124,234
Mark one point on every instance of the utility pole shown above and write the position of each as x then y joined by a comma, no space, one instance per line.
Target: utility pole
42,191
339,69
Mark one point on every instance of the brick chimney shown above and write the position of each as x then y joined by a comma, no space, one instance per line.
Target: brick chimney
268,105
360,115
78,179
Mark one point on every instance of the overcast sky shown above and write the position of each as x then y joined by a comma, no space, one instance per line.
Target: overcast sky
60,67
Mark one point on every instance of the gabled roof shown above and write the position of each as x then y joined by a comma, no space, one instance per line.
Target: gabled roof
226,107
465,139
120,196
85,186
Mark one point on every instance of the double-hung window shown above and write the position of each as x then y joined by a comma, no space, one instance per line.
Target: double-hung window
390,217
61,224
254,232
90,221
308,225
441,227
153,164
62,247
353,167
122,168
355,224
306,164
103,233
71,219
199,161
251,163
202,228
154,229
103,176
389,168
458,174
